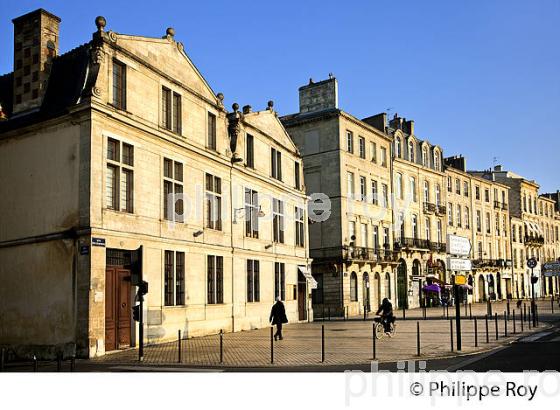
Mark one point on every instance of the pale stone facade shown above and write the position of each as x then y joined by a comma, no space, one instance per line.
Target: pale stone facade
91,186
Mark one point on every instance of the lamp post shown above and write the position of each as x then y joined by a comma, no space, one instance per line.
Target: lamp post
532,263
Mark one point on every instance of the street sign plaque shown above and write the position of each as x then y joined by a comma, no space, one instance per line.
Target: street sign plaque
458,245
460,280
458,264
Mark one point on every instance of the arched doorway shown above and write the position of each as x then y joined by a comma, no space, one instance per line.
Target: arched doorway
402,291
387,285
499,285
491,287
481,292
366,286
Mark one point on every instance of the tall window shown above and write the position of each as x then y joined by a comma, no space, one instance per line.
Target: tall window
373,149
486,195
253,281
363,188
171,110
364,235
414,226
374,193
383,157
278,220
384,195
399,185
166,108
449,185
437,164
215,279
350,184
478,221
353,287
300,227
279,280
458,187
488,223
427,227
412,187
477,192
276,164
497,219
439,231
172,186
465,188
250,151
251,213
459,217
212,143
349,142
449,214
174,266
425,156
411,151
375,236
467,218
398,147
362,147
119,85
426,191
213,202
438,195
119,179
297,175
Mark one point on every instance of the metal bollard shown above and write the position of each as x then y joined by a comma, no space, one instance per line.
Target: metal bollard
496,324
537,313
365,313
329,312
451,332
443,308
35,364
179,346
322,343
470,310
221,346
552,304
505,324
271,345
373,340
447,311
508,309
323,315
59,362
514,329
475,333
524,313
521,314
2,359
418,338
487,336
73,364
404,313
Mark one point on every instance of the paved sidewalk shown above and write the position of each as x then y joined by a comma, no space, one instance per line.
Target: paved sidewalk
346,342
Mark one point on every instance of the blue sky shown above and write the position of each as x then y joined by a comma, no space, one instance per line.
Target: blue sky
480,78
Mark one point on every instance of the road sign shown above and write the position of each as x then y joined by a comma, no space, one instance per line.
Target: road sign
532,263
460,279
458,245
458,264
551,269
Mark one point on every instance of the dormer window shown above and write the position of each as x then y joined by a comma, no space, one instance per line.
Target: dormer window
411,151
398,147
425,161
437,164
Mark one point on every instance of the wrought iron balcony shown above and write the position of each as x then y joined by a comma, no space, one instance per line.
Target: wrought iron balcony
429,208
437,247
355,254
497,204
534,240
504,206
441,210
491,263
412,243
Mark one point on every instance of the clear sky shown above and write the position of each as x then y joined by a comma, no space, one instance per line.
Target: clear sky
480,78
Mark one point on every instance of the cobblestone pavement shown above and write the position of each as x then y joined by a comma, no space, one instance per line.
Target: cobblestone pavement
346,342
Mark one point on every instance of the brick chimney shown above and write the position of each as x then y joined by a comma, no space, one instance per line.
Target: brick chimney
35,46
318,96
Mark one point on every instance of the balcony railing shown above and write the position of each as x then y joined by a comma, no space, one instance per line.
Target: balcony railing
355,253
441,210
491,263
534,240
429,208
504,206
497,204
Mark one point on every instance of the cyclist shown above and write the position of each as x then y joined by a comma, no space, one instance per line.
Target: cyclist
386,312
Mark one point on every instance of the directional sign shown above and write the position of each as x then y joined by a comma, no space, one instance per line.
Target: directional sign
458,245
551,269
458,264
532,263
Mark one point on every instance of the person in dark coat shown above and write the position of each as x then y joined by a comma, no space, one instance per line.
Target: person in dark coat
386,311
278,317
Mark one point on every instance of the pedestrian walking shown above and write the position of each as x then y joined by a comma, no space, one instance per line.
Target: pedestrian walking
278,317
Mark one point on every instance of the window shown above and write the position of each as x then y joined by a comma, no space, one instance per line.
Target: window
384,195
414,224
477,192
213,202
172,190
375,236
279,280
300,227
459,217
278,220
426,191
374,193
119,178
250,151
276,164
212,143
251,213
398,147
398,185
438,195
437,165
411,151
362,147
439,231
486,195
363,193
386,237
425,161
383,157
458,187
350,184
465,188
449,185
215,273
297,175
119,85
351,231
349,142
174,267
427,228
467,218
478,221
364,235
412,187
373,149
170,110
253,281
353,287
497,219
449,214
488,223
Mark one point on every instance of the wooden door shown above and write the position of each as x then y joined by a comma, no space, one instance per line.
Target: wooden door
302,300
117,308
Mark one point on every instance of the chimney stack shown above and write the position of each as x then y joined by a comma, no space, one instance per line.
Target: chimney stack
318,96
35,46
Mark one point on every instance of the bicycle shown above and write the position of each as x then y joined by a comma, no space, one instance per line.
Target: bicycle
380,328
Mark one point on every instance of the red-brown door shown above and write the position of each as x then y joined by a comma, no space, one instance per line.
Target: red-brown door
302,300
117,308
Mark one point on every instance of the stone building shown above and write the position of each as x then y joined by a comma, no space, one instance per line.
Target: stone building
118,154
349,161
538,218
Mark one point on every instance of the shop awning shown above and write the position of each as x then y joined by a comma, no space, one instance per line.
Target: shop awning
432,288
310,279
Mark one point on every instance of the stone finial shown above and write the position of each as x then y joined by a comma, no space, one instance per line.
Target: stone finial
331,76
235,107
270,105
220,97
170,32
311,81
100,23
